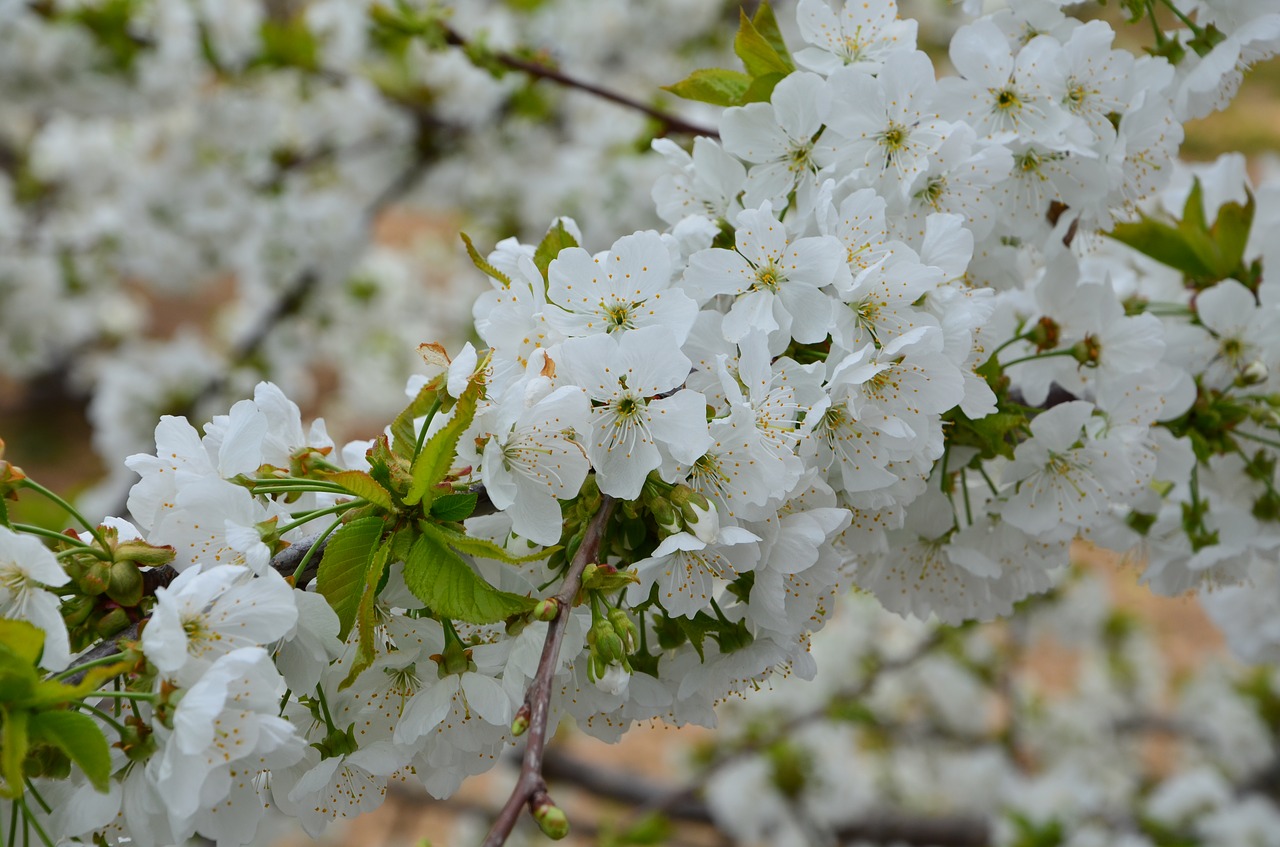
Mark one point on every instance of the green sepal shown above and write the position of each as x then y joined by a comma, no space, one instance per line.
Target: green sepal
446,584
454,507
436,457
716,86
556,239
80,738
344,568
479,546
364,486
366,614
483,264
758,54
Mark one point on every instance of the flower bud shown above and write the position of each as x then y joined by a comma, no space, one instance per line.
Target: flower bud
614,680
605,642
112,622
96,578
520,723
699,514
665,516
125,586
1255,372
77,610
625,629
551,819
547,609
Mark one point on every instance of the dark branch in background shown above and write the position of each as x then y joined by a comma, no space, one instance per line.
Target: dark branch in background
670,122
531,787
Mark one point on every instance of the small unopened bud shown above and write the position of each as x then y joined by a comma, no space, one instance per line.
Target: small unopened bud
520,723
125,585
665,516
605,643
551,819
97,578
625,628
699,514
547,609
1254,373
112,622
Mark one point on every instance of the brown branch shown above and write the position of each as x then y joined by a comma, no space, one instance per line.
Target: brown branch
670,122
531,787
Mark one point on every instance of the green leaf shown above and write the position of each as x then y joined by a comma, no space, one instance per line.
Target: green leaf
758,56
451,589
479,546
14,743
454,507
556,239
717,86
1231,232
24,640
437,455
483,264
361,484
761,88
344,569
767,25
366,614
1164,243
80,738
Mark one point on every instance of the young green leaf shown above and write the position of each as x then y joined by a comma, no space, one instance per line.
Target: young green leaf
716,86
454,507
403,433
758,56
437,455
362,485
767,25
14,743
451,589
483,264
366,614
761,88
556,239
344,569
80,738
479,546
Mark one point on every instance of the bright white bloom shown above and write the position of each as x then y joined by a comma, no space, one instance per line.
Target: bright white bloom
631,432
535,457
685,569
861,34
27,570
207,613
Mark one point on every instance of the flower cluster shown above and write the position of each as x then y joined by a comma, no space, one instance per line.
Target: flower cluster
881,342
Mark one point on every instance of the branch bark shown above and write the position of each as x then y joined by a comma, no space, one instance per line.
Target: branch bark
531,786
670,122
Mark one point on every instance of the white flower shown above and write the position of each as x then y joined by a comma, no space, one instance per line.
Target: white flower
630,431
205,614
860,35
685,569
27,568
535,458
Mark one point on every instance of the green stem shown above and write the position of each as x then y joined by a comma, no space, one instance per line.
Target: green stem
126,695
53,535
1257,438
994,491
105,717
964,488
13,825
71,510
319,513
1035,356
1182,16
1155,24
319,542
36,794
35,824
81,668
324,710
426,424
1014,340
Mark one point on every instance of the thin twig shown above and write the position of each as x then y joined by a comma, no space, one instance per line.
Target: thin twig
670,122
531,787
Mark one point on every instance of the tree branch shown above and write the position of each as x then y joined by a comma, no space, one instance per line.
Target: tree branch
531,787
670,122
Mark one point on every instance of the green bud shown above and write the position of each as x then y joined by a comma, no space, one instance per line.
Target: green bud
625,629
520,723
112,622
605,642
697,512
547,609
147,555
125,586
551,819
77,610
47,761
97,578
666,517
